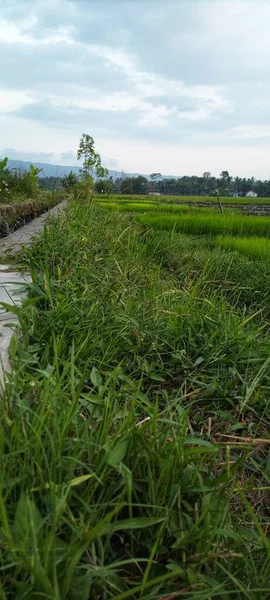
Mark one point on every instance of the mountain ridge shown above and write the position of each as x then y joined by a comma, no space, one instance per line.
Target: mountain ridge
50,170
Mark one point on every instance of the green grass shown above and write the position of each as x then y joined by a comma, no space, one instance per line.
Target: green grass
161,208
255,247
139,350
184,199
209,224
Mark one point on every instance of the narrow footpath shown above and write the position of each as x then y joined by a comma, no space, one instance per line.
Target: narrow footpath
11,281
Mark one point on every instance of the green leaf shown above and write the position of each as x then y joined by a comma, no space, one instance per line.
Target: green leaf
237,426
21,526
117,454
81,587
11,308
80,479
198,442
156,377
3,163
95,377
136,523
199,361
27,521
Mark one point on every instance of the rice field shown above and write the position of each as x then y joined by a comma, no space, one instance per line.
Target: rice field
257,248
156,207
232,231
208,224
183,199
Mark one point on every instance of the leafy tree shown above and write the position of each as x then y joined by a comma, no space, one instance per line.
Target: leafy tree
155,176
32,178
107,186
225,176
139,185
127,185
69,181
91,159
91,166
50,183
237,185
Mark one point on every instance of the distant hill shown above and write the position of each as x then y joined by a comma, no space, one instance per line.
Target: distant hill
49,170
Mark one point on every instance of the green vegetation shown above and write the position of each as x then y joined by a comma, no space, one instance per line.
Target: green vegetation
21,199
256,247
135,425
17,185
84,186
119,198
209,224
155,207
206,185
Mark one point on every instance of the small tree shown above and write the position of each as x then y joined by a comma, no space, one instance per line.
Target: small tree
156,179
91,165
33,178
69,181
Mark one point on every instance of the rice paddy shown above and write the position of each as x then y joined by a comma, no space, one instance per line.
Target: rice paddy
256,247
184,199
232,231
209,224
155,207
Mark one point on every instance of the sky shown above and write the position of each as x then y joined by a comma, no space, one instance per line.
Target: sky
177,87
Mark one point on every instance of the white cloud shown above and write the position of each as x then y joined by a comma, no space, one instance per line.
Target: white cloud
11,33
251,132
196,71
11,100
143,84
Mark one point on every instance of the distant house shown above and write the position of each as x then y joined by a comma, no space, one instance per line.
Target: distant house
236,194
154,193
251,194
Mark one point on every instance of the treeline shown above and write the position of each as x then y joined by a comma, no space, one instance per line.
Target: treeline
206,185
186,186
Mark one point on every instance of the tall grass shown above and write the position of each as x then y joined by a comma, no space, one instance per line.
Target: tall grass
209,224
117,481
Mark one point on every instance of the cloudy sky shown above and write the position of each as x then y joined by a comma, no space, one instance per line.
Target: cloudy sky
176,86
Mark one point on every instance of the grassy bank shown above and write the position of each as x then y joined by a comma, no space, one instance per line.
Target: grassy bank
118,480
208,224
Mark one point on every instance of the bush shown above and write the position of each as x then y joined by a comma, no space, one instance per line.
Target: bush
17,184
